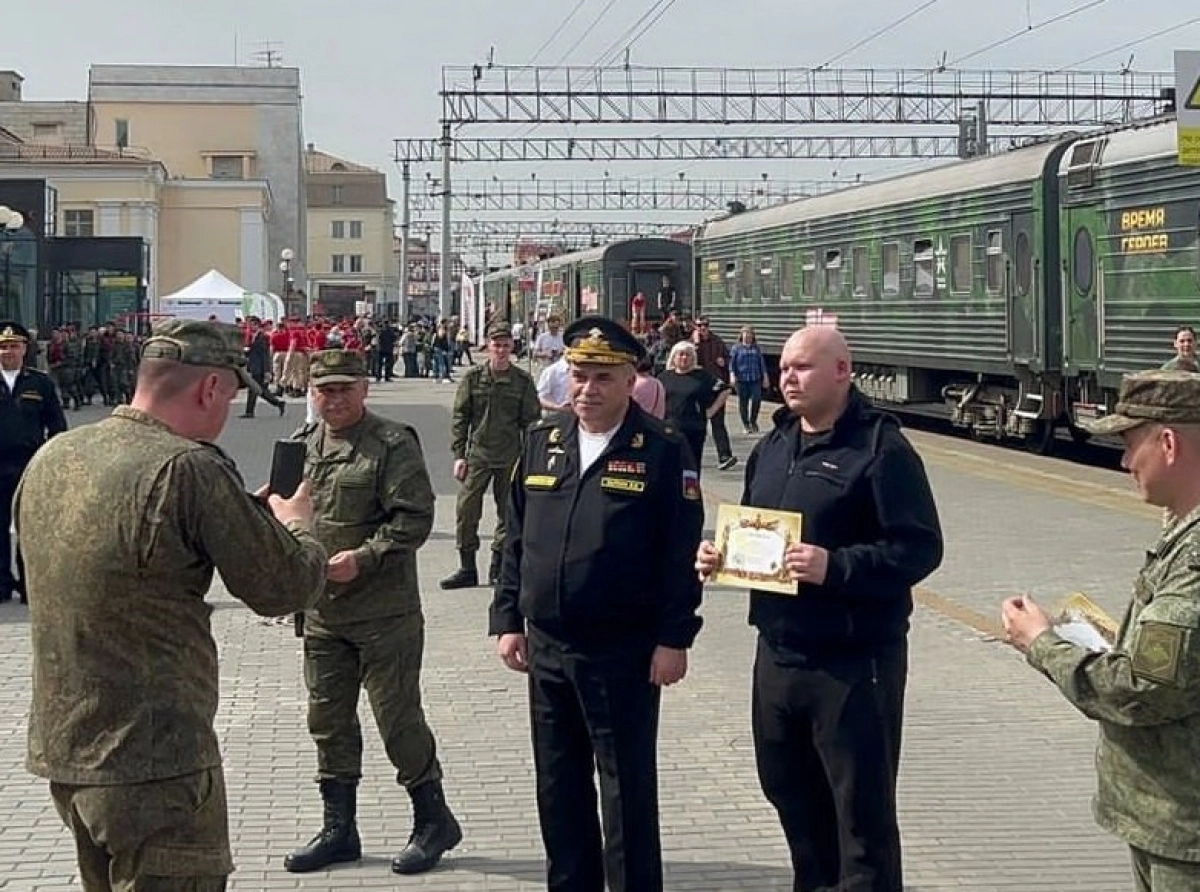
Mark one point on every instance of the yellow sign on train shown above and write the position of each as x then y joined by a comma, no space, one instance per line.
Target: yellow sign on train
1187,93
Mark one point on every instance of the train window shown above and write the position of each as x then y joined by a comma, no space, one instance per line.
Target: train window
747,281
891,269
1083,262
766,278
808,276
833,273
861,271
960,264
995,261
1024,264
731,280
923,267
787,274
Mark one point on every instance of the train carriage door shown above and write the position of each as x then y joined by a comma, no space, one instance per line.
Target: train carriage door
1021,286
1081,289
618,296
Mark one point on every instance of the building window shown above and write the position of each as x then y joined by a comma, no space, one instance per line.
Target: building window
923,267
960,264
47,134
338,264
833,273
79,224
995,261
121,134
891,269
356,229
228,167
337,229
356,263
861,271
336,196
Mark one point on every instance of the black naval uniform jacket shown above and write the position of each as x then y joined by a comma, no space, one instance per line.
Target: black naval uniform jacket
865,498
29,415
603,562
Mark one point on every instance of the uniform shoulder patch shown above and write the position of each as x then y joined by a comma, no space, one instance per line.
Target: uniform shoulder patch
1158,652
691,485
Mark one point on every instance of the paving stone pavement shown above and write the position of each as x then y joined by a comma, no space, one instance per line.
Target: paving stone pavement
997,771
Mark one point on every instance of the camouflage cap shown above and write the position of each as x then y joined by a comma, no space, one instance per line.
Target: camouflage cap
499,329
191,342
1159,397
336,367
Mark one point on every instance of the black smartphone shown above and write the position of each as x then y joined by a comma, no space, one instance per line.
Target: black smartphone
287,467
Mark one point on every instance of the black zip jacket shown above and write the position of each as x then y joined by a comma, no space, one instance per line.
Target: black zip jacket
865,499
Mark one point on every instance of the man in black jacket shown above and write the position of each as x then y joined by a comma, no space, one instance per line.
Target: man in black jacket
832,661
597,602
258,364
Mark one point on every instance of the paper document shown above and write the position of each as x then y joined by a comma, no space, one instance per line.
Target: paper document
1080,621
752,543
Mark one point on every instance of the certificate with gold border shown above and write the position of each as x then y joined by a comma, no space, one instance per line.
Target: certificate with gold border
751,543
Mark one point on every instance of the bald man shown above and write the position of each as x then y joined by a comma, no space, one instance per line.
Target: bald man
832,662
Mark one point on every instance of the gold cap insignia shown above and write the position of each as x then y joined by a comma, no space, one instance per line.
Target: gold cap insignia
596,348
638,441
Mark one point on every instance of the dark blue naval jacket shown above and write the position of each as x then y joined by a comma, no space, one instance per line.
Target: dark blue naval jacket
865,498
603,560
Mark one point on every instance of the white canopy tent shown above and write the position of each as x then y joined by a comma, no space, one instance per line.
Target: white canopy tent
215,295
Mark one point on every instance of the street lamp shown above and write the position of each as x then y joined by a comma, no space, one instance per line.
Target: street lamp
285,266
11,222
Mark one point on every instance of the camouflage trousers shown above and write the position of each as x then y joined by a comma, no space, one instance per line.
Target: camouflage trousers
159,836
384,657
469,505
1152,873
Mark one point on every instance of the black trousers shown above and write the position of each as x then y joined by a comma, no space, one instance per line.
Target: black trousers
721,436
827,743
596,715
695,439
10,475
252,397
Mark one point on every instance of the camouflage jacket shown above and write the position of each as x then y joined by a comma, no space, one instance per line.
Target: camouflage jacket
491,413
372,496
1145,694
124,662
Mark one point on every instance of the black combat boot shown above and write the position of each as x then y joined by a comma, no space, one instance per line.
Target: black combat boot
338,840
494,569
435,831
466,576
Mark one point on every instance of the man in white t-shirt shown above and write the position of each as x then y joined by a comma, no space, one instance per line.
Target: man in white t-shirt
549,344
554,386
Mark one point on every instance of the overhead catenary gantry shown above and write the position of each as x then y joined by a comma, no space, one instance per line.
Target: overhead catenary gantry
788,96
691,148
609,194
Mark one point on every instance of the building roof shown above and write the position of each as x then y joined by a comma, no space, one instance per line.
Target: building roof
322,162
72,154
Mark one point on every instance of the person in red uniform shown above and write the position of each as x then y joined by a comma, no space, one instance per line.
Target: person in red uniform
639,313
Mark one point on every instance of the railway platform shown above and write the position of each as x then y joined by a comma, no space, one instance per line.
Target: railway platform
997,772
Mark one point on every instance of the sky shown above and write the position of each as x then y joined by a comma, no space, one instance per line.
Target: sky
371,69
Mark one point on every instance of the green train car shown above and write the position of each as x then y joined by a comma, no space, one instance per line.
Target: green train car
1009,292
598,280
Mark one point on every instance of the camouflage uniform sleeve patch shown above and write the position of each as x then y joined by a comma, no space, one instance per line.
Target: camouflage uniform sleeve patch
1158,652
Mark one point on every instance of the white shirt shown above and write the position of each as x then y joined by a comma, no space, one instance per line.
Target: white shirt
10,378
591,445
554,383
548,344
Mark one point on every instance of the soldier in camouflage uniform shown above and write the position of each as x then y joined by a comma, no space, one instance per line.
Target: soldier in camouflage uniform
124,365
374,509
124,663
73,368
1145,691
494,404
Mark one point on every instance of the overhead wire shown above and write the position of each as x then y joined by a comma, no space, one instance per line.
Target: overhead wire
877,34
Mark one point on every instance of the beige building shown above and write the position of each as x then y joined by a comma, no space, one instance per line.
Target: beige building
350,236
236,129
184,158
